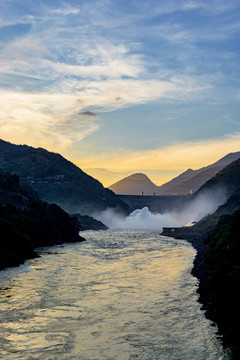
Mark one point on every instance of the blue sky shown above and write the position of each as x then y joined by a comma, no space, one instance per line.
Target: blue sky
122,86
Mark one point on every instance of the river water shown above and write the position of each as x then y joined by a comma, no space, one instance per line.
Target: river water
119,295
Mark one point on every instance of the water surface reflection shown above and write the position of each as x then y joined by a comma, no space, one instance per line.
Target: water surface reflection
119,295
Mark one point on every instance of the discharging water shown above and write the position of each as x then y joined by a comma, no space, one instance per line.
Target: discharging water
119,295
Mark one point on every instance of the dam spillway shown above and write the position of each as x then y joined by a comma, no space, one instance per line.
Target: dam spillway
155,203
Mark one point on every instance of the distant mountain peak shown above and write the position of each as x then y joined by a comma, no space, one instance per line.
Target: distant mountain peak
135,184
186,183
138,177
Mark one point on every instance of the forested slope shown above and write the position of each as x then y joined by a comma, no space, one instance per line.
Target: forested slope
27,222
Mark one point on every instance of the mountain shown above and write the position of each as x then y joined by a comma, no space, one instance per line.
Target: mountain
217,263
173,187
219,283
26,222
219,275
194,179
136,184
57,180
226,182
191,180
187,182
220,195
228,178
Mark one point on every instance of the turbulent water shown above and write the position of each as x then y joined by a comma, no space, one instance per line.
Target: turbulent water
119,295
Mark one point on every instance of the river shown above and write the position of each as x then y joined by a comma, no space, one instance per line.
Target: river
118,295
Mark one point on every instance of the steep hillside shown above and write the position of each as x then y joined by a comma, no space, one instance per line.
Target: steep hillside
27,223
191,180
192,184
226,182
228,179
219,285
220,196
217,264
57,179
136,184
174,186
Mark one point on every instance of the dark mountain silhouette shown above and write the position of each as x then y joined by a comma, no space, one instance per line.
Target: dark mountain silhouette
27,222
219,287
186,183
226,183
196,178
217,264
174,186
57,180
228,179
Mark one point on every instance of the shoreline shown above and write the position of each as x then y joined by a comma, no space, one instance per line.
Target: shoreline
32,254
205,299
196,239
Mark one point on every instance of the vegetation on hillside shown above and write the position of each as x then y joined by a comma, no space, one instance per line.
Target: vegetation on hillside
228,179
208,223
58,180
220,287
217,264
27,223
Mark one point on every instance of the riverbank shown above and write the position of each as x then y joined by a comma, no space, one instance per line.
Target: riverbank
196,238
41,224
217,268
26,222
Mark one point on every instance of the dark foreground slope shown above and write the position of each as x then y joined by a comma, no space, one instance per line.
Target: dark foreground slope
223,189
219,285
228,178
27,223
217,264
57,179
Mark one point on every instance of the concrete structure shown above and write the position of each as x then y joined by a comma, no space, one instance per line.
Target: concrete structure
156,204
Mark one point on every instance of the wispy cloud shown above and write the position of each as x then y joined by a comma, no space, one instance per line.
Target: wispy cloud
48,119
57,114
66,11
106,55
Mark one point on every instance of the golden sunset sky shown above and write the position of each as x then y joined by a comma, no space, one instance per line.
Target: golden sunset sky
120,87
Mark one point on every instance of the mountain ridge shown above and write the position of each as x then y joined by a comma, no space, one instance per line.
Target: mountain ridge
138,184
57,179
186,183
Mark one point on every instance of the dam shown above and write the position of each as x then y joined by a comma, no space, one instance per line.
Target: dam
155,203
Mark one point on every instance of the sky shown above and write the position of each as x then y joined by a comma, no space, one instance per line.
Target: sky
120,87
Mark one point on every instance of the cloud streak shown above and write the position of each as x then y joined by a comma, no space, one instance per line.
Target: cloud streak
70,57
48,119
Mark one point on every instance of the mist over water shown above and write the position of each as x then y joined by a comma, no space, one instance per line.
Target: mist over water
144,219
